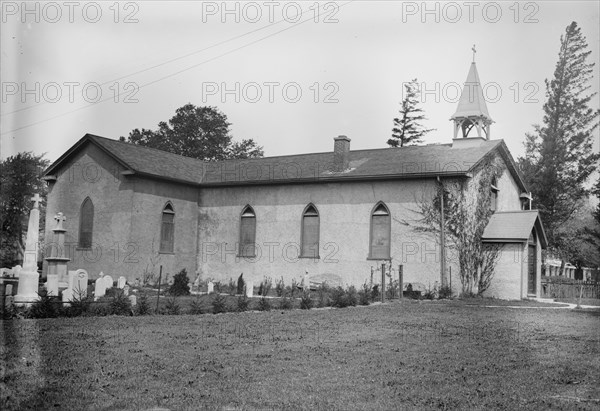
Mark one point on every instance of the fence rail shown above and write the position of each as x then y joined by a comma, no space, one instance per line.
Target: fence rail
571,289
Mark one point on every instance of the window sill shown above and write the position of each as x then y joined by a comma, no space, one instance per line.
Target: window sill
167,252
83,248
311,257
246,256
378,258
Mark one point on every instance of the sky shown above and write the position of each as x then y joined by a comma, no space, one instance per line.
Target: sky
290,75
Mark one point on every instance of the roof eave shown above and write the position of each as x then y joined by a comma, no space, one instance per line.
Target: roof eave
336,179
88,138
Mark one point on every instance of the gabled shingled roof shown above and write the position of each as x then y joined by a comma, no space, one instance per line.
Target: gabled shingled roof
514,226
388,163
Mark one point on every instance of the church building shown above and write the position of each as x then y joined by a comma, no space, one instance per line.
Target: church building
338,216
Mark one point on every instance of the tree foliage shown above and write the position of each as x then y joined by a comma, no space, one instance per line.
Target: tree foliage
20,179
198,132
558,157
407,128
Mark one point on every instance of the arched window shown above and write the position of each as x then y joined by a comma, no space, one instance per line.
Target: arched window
494,194
167,229
310,232
380,233
86,223
247,233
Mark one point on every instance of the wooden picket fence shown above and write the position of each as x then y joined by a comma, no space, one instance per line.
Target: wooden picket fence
570,289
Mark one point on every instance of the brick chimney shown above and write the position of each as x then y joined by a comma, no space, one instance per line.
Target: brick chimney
341,153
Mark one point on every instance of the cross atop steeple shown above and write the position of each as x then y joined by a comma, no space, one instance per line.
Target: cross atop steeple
37,199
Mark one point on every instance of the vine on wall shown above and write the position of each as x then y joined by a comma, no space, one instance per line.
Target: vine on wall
467,212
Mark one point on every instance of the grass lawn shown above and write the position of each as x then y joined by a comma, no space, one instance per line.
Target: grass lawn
402,355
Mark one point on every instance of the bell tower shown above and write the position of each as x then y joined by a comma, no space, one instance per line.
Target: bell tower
471,114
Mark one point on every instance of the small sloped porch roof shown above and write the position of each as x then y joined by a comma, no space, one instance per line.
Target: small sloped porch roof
514,227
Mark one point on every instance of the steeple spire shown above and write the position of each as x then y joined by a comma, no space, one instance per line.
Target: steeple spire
472,111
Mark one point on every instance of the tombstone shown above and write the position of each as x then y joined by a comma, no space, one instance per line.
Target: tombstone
99,288
305,282
121,282
133,300
78,283
108,281
67,296
9,301
126,290
136,283
8,290
211,287
16,270
249,288
52,285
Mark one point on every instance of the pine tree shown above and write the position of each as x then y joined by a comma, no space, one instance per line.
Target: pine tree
408,129
558,155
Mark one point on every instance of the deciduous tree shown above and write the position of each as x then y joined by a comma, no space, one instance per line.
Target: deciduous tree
20,179
198,132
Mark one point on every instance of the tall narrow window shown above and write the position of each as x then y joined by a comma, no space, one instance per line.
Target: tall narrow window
86,223
167,229
247,233
380,233
494,195
310,232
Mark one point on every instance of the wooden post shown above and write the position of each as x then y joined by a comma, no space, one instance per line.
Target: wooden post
442,235
401,280
158,294
383,282
450,271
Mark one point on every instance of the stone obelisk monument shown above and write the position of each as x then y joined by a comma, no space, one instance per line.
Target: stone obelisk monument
29,277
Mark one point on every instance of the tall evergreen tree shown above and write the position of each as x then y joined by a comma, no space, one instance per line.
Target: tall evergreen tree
407,128
559,157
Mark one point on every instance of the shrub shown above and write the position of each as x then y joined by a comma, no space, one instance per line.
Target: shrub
46,307
120,303
241,284
338,297
79,306
100,310
430,293
279,287
285,303
306,302
392,288
375,292
293,288
445,292
171,307
264,304
324,300
344,298
217,287
243,302
364,294
180,284
260,289
231,287
196,306
143,305
268,284
351,296
219,304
